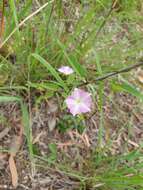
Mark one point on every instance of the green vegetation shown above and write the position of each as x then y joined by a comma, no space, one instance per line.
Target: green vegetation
94,38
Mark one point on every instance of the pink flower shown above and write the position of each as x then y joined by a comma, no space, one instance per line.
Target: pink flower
66,70
79,102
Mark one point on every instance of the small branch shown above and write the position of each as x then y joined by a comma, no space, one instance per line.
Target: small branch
125,70
102,24
106,18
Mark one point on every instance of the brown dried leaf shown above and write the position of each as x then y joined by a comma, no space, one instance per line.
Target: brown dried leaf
52,107
86,140
37,138
51,123
14,148
13,171
4,132
139,75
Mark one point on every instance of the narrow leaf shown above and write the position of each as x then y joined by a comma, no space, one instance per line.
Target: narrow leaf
50,69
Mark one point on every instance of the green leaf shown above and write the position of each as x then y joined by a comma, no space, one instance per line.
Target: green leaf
51,70
27,128
127,87
15,17
4,99
44,86
53,153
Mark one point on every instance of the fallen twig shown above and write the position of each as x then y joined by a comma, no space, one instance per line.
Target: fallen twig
125,70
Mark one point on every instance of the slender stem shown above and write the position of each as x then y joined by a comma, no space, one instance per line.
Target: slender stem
104,77
103,23
106,18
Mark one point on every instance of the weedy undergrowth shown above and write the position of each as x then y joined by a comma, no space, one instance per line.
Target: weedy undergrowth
93,38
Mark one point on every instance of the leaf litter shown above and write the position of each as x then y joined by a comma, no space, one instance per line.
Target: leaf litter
72,147
71,144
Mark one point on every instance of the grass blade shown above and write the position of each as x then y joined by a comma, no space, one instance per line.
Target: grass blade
127,87
13,8
51,70
79,69
27,128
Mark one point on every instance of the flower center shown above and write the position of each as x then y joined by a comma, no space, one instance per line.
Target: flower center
78,101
